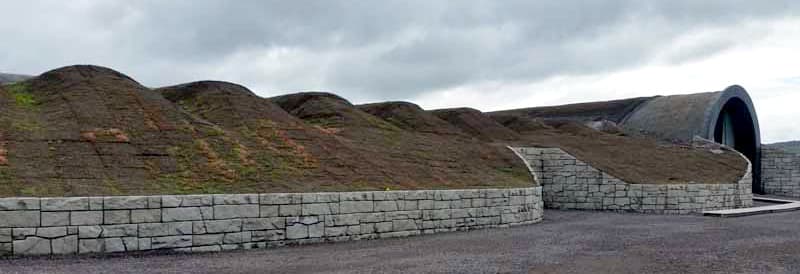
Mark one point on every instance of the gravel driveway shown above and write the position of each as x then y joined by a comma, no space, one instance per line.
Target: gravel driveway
566,242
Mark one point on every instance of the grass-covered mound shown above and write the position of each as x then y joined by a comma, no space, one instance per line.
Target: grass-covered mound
87,130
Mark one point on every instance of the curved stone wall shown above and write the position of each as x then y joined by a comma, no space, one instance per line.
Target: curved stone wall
568,183
780,172
196,223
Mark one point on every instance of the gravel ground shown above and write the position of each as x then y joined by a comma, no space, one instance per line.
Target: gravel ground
566,242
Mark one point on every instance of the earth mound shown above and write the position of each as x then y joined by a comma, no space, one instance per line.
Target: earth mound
327,110
88,130
224,103
410,117
636,159
476,123
407,156
521,124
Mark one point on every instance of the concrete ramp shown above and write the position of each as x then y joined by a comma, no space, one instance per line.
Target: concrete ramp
780,205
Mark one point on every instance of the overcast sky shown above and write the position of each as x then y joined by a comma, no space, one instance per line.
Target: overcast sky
488,55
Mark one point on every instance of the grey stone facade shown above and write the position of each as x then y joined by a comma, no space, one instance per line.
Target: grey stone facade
780,172
197,223
568,183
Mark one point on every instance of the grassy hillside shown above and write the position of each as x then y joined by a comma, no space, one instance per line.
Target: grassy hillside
87,130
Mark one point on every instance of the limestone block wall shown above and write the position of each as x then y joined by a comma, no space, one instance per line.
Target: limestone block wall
41,226
780,172
568,183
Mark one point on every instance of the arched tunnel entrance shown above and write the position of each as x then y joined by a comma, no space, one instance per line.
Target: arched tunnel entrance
735,128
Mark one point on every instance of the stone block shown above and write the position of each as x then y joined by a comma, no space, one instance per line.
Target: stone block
415,195
170,201
154,202
32,246
269,211
212,248
126,230
87,232
22,233
437,214
385,206
65,245
335,231
207,239
263,223
55,218
407,205
320,209
316,230
207,212
86,218
364,229
402,225
165,229
19,218
19,203
296,231
125,202
235,199
407,214
181,214
95,203
5,235
145,243
111,217
65,204
289,210
223,226
355,206
196,200
171,242
145,216
91,246
268,235
236,237
112,245
425,204
343,219
306,220
442,204
383,227
327,197
355,196
51,232
279,199
131,243
222,212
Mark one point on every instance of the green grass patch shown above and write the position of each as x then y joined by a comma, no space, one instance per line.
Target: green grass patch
21,94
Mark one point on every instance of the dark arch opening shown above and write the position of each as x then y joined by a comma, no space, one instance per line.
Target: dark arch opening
735,128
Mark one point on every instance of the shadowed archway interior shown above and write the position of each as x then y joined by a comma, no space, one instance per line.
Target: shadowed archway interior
734,128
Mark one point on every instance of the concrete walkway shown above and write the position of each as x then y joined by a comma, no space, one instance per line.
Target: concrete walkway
774,205
566,242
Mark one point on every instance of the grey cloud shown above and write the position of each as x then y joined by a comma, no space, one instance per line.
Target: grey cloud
370,50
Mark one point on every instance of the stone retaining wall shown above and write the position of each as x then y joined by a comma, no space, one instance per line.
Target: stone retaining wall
568,183
780,172
40,226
